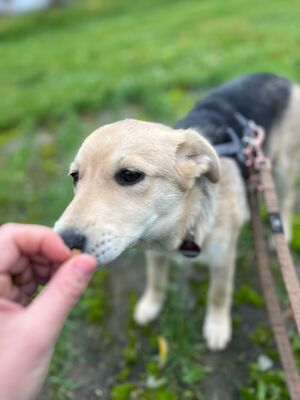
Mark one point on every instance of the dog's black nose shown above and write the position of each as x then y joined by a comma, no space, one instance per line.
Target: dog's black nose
73,239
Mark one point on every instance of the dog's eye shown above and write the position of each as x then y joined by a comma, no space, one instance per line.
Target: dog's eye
128,177
75,177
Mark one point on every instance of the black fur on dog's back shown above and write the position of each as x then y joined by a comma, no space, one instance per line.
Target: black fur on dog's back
260,97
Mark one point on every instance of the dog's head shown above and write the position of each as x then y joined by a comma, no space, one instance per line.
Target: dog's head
130,181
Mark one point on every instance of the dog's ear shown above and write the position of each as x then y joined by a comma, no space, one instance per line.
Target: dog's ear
196,157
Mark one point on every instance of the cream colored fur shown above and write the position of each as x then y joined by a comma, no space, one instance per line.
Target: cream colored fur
186,189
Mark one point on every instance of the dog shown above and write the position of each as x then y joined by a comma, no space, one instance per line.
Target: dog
167,190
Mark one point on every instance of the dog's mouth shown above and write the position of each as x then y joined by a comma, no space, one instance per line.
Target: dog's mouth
105,247
105,242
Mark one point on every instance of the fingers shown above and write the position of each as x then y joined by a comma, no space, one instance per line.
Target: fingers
49,310
29,288
6,286
7,306
24,277
10,292
29,240
42,273
18,266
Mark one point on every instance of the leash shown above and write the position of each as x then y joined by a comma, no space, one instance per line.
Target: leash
260,181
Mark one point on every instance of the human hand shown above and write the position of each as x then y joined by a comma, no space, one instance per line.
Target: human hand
31,255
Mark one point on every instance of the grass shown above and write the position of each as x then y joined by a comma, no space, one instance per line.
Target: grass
179,378
103,54
68,70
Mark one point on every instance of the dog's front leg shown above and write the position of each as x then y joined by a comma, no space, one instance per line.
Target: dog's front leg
217,323
150,304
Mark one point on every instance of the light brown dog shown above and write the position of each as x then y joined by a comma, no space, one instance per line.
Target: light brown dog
151,185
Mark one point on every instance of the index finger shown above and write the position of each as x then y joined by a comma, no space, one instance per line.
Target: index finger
17,241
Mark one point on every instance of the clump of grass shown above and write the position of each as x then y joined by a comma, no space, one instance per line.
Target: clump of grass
296,234
129,391
246,295
262,336
94,305
122,391
268,385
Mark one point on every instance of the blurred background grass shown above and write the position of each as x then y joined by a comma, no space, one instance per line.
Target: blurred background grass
99,53
98,56
65,71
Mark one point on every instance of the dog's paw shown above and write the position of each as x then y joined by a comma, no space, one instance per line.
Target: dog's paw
217,330
146,311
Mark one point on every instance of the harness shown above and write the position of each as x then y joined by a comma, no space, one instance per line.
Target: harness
255,167
235,147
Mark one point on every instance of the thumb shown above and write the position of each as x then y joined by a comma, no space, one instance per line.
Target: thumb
51,307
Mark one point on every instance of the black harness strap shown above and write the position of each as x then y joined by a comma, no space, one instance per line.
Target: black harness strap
233,148
236,144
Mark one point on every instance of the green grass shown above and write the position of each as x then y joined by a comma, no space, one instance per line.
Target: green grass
68,70
179,324
102,54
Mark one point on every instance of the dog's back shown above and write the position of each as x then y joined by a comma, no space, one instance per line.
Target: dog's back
272,102
260,97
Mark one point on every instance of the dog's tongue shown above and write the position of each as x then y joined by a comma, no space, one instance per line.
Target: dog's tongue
189,248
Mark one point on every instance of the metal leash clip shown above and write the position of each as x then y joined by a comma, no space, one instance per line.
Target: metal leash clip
255,156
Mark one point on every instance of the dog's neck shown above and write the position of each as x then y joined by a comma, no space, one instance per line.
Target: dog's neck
199,212
193,218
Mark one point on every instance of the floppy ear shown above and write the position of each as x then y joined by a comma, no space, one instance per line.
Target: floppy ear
196,157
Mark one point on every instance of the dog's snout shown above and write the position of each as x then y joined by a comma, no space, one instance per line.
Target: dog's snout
73,239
